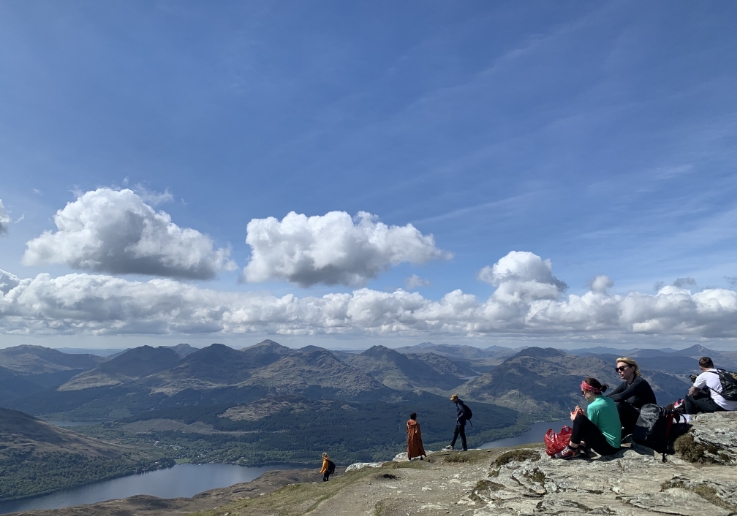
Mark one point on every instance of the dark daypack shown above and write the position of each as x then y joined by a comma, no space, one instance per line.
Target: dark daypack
467,412
658,428
728,380
331,467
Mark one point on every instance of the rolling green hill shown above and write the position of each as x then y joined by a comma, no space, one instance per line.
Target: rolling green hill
37,457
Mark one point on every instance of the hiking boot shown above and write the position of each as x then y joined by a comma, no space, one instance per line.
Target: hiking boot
449,447
567,453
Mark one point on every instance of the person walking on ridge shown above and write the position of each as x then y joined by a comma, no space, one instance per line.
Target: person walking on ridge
414,438
328,467
460,423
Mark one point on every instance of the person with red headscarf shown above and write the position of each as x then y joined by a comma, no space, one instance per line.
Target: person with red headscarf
599,428
414,438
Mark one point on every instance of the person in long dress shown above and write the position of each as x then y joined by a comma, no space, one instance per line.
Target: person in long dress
414,438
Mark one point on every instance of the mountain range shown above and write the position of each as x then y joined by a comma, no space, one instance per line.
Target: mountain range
534,380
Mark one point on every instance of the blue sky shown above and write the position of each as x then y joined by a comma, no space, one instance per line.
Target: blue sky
598,136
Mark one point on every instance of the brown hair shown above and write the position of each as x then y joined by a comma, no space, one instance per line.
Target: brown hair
630,362
706,362
593,382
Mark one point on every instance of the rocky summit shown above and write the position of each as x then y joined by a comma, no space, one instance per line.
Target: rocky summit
699,479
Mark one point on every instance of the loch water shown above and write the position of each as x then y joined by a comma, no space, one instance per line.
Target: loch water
182,480
534,435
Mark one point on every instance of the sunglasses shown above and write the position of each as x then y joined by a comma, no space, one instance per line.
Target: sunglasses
620,369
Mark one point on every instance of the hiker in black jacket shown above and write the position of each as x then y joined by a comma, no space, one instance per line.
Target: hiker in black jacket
631,395
460,423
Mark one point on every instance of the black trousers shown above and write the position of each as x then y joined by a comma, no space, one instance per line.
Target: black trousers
325,476
697,405
460,430
628,415
586,431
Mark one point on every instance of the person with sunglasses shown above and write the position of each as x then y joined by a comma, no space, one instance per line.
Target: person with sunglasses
598,428
632,393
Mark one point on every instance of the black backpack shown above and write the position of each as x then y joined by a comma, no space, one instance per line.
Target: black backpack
331,467
728,380
658,428
467,412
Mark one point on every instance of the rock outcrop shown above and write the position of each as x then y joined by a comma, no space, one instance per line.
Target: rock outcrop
699,480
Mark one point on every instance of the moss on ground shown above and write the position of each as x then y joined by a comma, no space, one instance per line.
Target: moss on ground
691,451
705,491
515,456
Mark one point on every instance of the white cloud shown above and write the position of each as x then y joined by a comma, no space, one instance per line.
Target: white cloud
8,281
684,282
415,281
151,197
600,284
100,304
522,276
116,231
332,249
4,219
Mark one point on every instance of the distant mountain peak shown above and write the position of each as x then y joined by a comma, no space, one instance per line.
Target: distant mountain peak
539,353
379,351
267,346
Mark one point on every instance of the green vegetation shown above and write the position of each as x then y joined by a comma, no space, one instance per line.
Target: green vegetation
706,492
515,456
350,431
24,473
692,451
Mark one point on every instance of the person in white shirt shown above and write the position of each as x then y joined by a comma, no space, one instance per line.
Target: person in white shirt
705,395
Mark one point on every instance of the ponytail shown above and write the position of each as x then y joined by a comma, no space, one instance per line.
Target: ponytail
593,382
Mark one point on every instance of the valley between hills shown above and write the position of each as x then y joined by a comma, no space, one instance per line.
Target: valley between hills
147,407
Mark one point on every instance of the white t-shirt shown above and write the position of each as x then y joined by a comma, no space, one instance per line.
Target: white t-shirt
710,379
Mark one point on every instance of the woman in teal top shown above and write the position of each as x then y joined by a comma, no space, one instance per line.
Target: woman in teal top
599,428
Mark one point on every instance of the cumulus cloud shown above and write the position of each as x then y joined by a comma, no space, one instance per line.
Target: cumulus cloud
684,282
600,284
101,304
415,281
522,276
4,219
8,281
332,248
115,231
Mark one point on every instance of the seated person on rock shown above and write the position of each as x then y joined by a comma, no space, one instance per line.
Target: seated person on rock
598,428
631,394
704,395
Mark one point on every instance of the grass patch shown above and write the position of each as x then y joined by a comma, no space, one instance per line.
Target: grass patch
706,492
536,476
457,457
515,456
485,488
291,500
691,451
